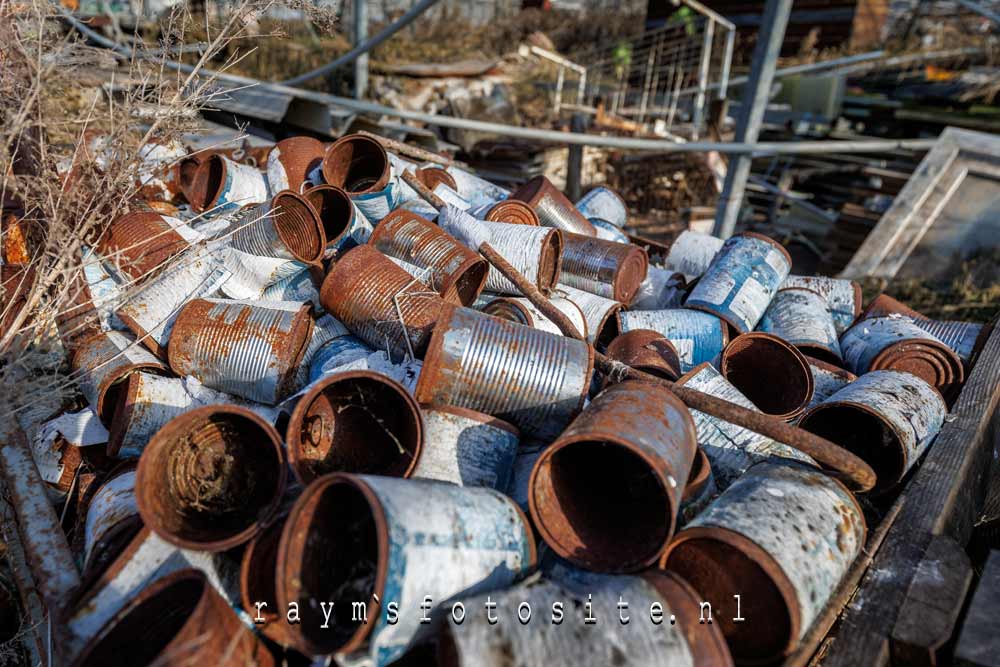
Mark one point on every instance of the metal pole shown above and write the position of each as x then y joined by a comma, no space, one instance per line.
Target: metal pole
698,114
360,34
574,164
560,81
727,62
752,107
979,9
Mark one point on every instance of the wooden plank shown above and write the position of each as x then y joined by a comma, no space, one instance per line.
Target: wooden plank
944,497
979,641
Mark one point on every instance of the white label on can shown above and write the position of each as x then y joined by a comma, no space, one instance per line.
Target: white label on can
776,260
190,235
685,349
750,302
715,291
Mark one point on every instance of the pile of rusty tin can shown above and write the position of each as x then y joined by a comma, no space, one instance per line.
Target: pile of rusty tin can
313,423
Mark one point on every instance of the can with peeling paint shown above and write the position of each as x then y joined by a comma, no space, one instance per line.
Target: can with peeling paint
106,359
144,405
379,541
249,349
604,203
291,161
647,351
211,478
512,211
827,379
731,449
284,227
534,251
380,303
466,447
344,225
357,422
692,253
552,206
608,269
661,290
741,280
431,177
769,371
897,343
112,518
221,185
888,418
802,317
336,353
520,309
258,582
155,175
843,297
534,379
607,231
478,191
601,314
455,271
698,337
325,329
606,494
139,242
782,537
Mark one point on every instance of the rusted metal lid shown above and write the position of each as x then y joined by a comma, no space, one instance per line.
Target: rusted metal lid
514,212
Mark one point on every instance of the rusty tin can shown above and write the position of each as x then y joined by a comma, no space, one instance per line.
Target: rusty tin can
534,379
357,164
731,449
221,185
699,490
259,582
112,516
769,371
843,297
156,176
292,162
827,379
356,422
608,269
888,418
381,303
741,280
692,253
512,211
601,314
177,620
534,251
782,537
520,309
344,226
144,405
248,349
628,454
698,337
211,478
103,361
379,541
431,177
802,317
478,191
648,351
326,329
897,343
285,227
552,206
467,448
139,242
606,204
455,271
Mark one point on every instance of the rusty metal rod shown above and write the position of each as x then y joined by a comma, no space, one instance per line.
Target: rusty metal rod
842,464
414,152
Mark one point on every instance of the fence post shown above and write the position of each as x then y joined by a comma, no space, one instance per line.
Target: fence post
574,165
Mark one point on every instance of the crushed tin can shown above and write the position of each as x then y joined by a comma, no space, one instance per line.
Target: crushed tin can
608,269
769,371
248,349
843,297
105,360
211,478
741,280
522,311
601,314
466,447
344,226
802,317
698,337
513,212
381,303
692,253
605,204
294,162
897,343
356,422
284,227
888,418
827,379
139,242
628,454
781,538
65,447
534,379
552,206
378,541
458,273
221,185
647,351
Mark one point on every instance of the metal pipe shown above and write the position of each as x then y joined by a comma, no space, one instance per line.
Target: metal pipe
752,108
361,63
979,9
698,113
727,63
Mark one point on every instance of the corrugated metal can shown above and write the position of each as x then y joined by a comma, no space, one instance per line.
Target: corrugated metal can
139,242
608,269
843,297
248,349
138,634
648,351
344,225
552,206
606,494
431,177
692,253
221,185
512,211
106,359
607,231
888,418
532,378
520,309
357,164
769,371
357,422
292,160
897,343
146,403
466,447
782,538
731,449
380,302
601,314
478,191
455,271
534,251
285,227
639,643
827,379
381,541
741,280
604,203
112,514
211,478
698,337
801,317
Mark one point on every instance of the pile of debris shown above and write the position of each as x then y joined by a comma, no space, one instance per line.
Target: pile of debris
348,399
